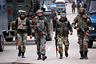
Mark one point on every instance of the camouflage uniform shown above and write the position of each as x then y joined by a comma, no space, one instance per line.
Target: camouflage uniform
22,26
42,23
82,38
78,7
63,28
53,15
73,7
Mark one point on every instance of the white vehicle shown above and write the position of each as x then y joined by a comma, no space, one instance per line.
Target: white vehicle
61,6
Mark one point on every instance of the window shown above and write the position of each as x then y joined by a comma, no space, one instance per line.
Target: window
3,6
20,0
8,0
0,7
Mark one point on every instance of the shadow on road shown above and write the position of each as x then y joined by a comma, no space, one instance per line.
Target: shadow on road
17,63
29,42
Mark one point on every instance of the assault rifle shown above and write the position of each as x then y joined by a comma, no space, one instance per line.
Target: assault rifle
56,42
38,29
83,31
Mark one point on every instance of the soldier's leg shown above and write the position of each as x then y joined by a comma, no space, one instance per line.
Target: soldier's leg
19,41
66,43
85,45
72,10
60,46
24,39
80,42
38,47
42,47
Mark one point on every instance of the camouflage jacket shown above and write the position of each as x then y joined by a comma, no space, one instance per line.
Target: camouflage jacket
53,15
42,24
73,6
63,27
78,5
82,22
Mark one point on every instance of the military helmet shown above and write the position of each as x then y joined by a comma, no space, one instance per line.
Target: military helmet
78,1
22,12
63,15
82,10
39,10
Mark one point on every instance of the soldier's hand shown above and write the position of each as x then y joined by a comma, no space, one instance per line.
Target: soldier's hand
83,16
54,18
77,29
71,33
30,36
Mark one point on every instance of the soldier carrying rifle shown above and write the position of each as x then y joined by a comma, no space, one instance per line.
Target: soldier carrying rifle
62,31
41,26
83,21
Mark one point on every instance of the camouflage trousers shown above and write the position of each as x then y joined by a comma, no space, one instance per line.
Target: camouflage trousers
77,10
63,40
73,10
83,42
40,41
21,39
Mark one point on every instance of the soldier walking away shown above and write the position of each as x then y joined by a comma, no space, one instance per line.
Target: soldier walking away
53,17
62,31
22,27
84,5
41,23
83,21
78,6
73,7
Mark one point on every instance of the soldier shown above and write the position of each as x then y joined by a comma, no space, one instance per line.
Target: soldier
73,7
63,27
53,17
22,27
41,22
78,6
83,21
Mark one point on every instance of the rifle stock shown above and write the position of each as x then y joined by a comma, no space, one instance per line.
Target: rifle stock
83,31
56,41
39,30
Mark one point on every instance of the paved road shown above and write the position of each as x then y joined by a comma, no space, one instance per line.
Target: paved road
9,55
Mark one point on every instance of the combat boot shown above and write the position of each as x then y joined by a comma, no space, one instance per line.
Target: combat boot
44,57
82,56
19,53
85,52
61,56
39,57
23,55
66,53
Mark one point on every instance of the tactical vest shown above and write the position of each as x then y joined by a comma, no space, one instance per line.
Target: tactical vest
22,24
53,14
40,24
63,28
82,23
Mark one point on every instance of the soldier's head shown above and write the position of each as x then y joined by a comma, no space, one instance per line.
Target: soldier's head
82,11
39,12
63,16
52,9
73,2
78,2
22,13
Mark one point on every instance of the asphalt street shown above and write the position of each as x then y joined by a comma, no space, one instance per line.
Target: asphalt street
9,55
